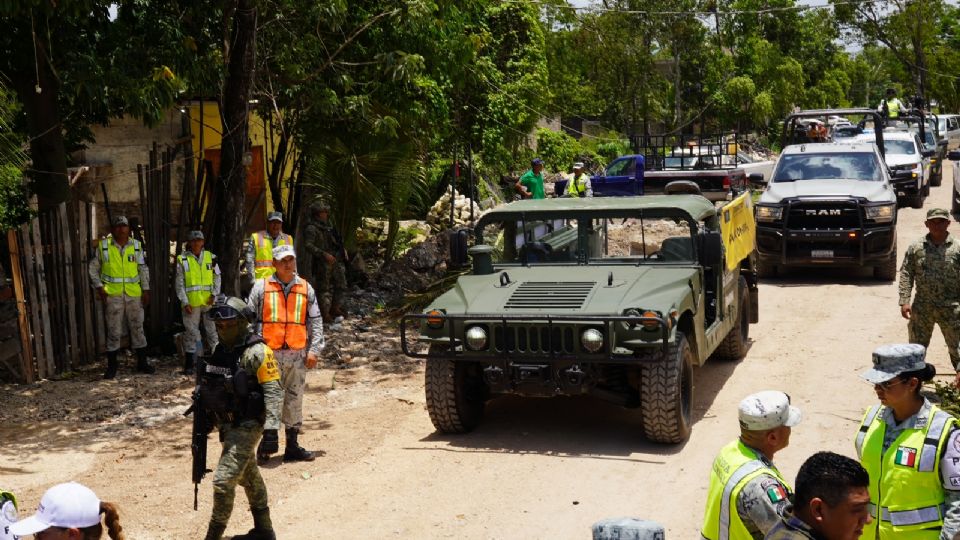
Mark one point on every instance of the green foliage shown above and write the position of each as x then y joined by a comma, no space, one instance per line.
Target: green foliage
557,149
14,207
949,397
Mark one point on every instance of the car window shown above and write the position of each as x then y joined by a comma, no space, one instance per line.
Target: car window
622,167
900,147
652,240
951,124
832,166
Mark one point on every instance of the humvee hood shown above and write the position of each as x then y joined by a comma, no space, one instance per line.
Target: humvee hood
570,290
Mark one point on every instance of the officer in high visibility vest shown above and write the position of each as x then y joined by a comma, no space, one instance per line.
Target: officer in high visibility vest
891,106
579,184
8,514
118,271
748,495
197,284
259,254
911,449
291,324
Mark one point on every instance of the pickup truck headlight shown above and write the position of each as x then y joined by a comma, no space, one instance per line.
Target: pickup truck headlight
882,214
769,213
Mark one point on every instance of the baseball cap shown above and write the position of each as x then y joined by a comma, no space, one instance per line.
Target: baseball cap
578,165
938,213
284,251
767,410
275,216
536,161
892,360
195,235
69,505
120,220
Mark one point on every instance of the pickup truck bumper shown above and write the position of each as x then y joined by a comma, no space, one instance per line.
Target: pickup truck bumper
839,247
905,184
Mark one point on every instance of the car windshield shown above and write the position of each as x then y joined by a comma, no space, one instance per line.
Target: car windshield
631,239
831,166
900,147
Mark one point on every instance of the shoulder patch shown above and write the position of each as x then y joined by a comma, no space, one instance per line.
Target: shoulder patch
775,492
268,370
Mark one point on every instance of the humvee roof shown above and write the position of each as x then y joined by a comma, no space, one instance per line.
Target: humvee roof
696,206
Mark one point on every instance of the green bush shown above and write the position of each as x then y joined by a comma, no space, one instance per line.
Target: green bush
557,149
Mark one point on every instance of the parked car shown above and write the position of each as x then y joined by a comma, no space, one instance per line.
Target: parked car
949,126
909,164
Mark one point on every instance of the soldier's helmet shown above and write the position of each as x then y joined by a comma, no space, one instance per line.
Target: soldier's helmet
228,308
319,205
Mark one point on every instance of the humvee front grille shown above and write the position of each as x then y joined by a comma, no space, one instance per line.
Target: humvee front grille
533,339
550,295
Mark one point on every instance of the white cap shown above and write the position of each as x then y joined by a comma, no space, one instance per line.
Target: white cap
578,165
282,252
69,505
767,410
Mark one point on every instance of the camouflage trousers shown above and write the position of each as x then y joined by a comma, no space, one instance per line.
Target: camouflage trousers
124,312
293,378
331,281
238,465
191,327
920,327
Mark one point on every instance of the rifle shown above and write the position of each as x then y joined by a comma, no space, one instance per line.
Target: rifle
201,427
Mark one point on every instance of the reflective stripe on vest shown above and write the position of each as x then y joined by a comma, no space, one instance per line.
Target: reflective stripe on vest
285,317
905,484
893,108
734,467
120,272
197,277
263,252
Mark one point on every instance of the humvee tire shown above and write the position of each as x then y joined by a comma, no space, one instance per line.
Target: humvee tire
888,270
455,396
666,394
765,269
734,346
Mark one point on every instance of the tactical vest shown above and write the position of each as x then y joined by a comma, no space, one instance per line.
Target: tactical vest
736,465
577,187
197,277
119,272
263,252
229,393
905,483
8,514
284,316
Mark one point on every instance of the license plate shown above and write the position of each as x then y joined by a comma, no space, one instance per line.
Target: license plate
821,253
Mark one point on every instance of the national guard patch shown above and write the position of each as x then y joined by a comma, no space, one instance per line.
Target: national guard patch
906,456
268,371
776,493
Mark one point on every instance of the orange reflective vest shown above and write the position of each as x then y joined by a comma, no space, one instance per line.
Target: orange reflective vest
285,317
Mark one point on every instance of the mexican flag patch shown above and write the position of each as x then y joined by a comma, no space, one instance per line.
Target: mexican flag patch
906,456
776,493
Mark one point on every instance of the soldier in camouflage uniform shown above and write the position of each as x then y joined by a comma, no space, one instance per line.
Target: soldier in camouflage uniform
241,350
932,265
329,261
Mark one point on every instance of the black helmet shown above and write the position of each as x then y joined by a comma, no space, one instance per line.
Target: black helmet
230,307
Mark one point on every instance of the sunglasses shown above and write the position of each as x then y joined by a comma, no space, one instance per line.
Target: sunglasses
886,385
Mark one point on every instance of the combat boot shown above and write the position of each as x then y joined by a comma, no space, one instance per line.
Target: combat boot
142,365
262,526
112,365
189,360
215,530
293,451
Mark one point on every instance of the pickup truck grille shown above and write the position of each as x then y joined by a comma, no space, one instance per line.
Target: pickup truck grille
534,339
540,295
824,215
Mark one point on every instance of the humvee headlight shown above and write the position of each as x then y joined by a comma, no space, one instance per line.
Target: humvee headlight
881,213
769,213
651,324
476,338
591,339
435,318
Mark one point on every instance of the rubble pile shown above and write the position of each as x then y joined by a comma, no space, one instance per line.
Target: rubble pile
439,215
626,240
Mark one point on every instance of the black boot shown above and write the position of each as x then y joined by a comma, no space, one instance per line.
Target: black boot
215,530
112,365
293,451
142,365
262,526
189,360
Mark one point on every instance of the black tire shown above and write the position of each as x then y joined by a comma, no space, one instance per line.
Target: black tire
766,269
734,345
888,270
455,393
666,394
955,203
916,201
936,179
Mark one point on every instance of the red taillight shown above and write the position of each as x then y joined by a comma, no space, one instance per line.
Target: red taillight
726,182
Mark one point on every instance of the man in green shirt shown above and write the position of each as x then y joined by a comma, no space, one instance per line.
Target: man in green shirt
530,184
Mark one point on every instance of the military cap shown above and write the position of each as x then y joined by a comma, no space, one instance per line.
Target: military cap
938,213
195,235
627,529
767,410
121,220
282,252
275,216
319,205
892,360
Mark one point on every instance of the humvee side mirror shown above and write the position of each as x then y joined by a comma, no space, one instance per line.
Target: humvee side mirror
756,179
953,155
928,153
482,256
711,249
459,240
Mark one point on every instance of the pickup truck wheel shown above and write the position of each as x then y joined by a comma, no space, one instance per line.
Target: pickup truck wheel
936,179
455,393
888,270
916,201
666,394
955,201
734,346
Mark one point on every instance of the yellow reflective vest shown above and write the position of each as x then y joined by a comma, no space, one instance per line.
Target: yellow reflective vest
736,465
119,270
905,487
8,514
197,277
893,108
577,186
263,252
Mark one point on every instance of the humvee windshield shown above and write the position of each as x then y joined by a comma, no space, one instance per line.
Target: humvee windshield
591,240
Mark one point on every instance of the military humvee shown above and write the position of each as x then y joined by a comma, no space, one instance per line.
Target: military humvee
616,298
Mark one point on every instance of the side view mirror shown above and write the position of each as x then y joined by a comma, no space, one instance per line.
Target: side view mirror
928,153
953,155
458,247
756,179
711,249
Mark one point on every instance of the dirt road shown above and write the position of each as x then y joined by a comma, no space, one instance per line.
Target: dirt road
534,469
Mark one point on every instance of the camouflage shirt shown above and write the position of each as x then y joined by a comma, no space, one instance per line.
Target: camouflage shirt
934,271
791,527
321,238
258,361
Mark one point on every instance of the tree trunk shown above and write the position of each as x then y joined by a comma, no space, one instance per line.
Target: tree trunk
228,230
47,150
278,164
